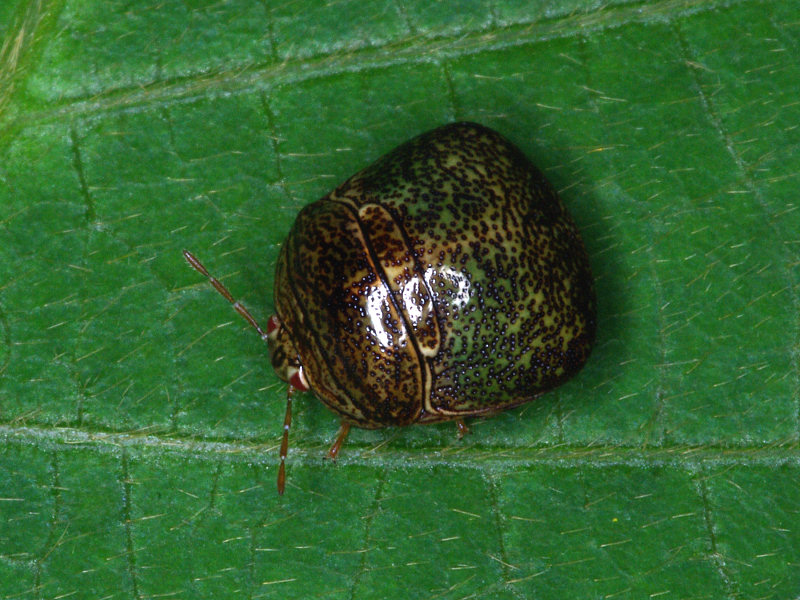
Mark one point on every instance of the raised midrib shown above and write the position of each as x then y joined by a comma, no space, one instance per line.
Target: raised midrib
467,453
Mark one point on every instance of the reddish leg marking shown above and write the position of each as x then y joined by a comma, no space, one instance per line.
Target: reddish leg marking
344,429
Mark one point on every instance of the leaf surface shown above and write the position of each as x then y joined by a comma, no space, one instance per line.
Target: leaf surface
140,417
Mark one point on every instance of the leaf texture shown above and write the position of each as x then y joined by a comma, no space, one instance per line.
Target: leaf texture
139,415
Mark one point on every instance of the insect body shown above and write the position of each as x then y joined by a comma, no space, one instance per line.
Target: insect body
444,281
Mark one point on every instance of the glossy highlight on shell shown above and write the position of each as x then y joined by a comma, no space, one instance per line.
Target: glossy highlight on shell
445,280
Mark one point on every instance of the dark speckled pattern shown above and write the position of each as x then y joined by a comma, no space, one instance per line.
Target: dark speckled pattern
444,280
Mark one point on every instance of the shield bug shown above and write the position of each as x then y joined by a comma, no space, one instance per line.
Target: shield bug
446,280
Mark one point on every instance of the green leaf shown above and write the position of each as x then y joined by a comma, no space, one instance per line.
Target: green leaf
140,417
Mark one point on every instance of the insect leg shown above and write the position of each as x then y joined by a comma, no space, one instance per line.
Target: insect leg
344,429
462,428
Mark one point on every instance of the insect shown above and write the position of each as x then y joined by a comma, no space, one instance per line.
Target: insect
446,280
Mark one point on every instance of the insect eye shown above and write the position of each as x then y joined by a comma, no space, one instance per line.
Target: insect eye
272,324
